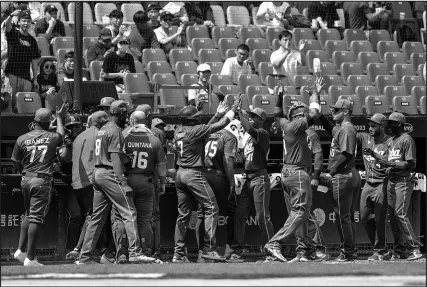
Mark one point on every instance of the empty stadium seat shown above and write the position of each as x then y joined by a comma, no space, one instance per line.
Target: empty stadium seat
260,56
301,80
188,80
229,89
376,104
418,91
287,90
394,91
382,81
417,59
28,102
412,47
400,70
334,45
354,81
129,9
185,67
69,32
221,32
238,16
90,30
264,101
138,67
335,91
256,43
289,100
406,105
311,55
87,13
362,92
249,32
252,90
103,9
200,43
326,101
272,33
348,69
327,68
193,32
391,58
361,46
226,44
365,58
411,81
43,45
324,35
209,55
176,55
333,80
353,35
136,83
218,80
216,67
175,98
301,33
246,80
230,53
357,104
310,45
375,69
88,42
164,79
378,35
155,67
149,55
423,105
218,15
264,69
340,57
62,43
386,46
421,72
95,70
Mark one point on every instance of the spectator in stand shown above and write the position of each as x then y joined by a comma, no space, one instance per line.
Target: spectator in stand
47,79
361,15
50,26
164,34
153,15
198,13
66,71
323,14
271,14
178,12
22,51
117,65
118,31
240,65
202,96
143,37
100,50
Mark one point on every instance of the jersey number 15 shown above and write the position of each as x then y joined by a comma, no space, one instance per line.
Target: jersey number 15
211,148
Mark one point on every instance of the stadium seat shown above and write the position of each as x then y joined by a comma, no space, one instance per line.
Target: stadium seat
252,90
394,91
310,45
175,98
188,80
216,67
417,92
386,46
271,82
382,81
412,47
334,45
272,33
90,30
406,105
423,105
209,55
354,81
365,58
264,69
348,69
375,69
312,54
421,72
88,42
340,57
87,13
264,101
176,55
353,35
199,43
357,104
335,91
400,70
226,44
69,32
378,35
164,79
136,83
28,102
238,16
62,43
155,67
43,45
129,9
218,80
138,67
95,70
249,32
376,104
391,58
60,54
246,80
333,80
256,43
301,33
229,89
185,67
360,46
230,53
362,92
304,93
287,90
193,32
324,35
221,32
417,59
301,80
149,55
103,9
261,56
326,101
229,99
289,100
58,6
411,81
327,68
218,15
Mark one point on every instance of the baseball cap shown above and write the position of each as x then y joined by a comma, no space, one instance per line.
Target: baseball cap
99,118
378,118
157,122
343,104
50,8
259,112
118,106
24,14
106,102
203,67
165,14
72,120
105,32
397,117
144,108
43,115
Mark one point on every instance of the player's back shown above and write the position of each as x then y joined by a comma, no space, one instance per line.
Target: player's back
109,139
215,149
190,145
401,148
343,140
296,150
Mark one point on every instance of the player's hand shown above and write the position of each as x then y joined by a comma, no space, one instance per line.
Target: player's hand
162,189
63,111
368,151
127,190
319,84
385,163
314,184
237,106
122,30
222,108
200,105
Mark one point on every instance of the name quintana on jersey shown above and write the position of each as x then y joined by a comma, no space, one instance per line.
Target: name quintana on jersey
139,144
37,141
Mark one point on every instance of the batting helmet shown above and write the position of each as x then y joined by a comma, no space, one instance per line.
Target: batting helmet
298,108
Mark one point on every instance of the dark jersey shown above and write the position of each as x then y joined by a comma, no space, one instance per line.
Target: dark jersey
295,146
313,144
375,173
42,25
36,150
113,63
343,140
220,144
401,149
190,145
84,158
145,150
109,139
256,151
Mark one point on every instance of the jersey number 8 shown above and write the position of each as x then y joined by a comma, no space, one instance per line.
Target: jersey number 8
97,146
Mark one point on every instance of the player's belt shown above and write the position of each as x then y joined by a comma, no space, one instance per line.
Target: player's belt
250,174
35,174
218,172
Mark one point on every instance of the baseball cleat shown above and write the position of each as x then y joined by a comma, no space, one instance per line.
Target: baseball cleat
72,255
275,253
20,256
141,259
234,258
106,260
212,255
122,259
376,257
269,259
321,256
28,262
300,258
180,259
228,251
395,257
90,262
344,258
414,255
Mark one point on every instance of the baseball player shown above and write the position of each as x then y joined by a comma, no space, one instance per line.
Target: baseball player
220,151
296,180
343,177
111,187
105,104
400,161
189,139
33,156
373,201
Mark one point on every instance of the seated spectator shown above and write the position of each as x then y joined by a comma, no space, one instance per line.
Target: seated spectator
164,34
118,31
66,71
50,26
177,11
104,46
323,15
271,14
361,15
240,65
47,79
117,65
195,96
143,37
153,15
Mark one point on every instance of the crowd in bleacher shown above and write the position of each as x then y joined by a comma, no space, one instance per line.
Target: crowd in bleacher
371,52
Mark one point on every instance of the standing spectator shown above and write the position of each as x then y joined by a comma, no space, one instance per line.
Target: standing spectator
50,25
167,40
240,65
66,72
99,51
22,51
153,15
47,79
360,15
199,13
271,14
117,65
323,14
178,12
143,37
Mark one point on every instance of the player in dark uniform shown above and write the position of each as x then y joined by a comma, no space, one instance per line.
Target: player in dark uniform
111,188
33,157
343,177
105,104
373,201
190,180
296,180
401,161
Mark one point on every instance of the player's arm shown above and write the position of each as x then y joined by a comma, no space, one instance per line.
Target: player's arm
61,114
318,155
116,143
230,147
17,156
247,126
228,117
328,125
161,165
